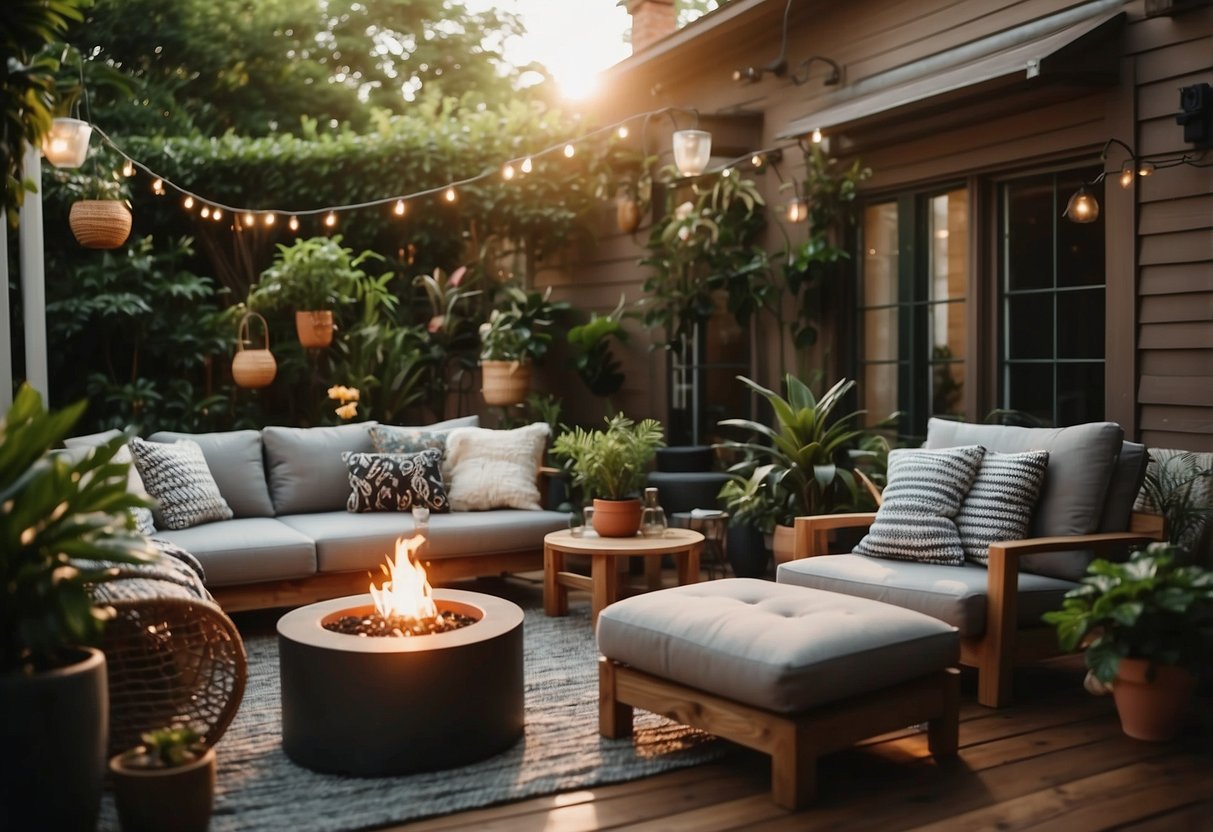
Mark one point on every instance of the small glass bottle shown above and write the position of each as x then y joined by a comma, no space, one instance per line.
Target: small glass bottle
652,516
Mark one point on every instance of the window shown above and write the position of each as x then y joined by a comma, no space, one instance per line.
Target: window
913,335
1051,356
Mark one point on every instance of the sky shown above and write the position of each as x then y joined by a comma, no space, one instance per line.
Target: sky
574,39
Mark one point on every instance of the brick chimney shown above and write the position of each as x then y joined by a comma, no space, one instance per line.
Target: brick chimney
652,20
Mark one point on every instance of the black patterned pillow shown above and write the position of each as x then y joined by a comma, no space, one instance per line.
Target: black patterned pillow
176,475
387,439
396,482
924,494
1000,502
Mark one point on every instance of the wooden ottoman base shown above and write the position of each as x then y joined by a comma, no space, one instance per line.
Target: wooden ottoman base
794,741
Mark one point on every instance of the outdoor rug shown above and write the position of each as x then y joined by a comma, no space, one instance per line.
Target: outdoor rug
259,788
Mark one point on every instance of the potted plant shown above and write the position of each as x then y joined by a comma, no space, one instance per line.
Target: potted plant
511,339
754,511
100,216
808,461
168,782
311,276
57,519
1146,627
609,466
590,343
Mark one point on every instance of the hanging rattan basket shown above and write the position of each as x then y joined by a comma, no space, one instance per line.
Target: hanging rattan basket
100,223
253,368
505,383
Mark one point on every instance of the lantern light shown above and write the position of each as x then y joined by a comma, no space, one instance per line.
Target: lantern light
399,209
158,187
66,145
330,220
526,165
293,223
692,149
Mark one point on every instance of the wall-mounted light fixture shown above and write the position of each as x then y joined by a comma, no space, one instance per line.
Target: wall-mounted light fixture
1083,207
692,150
801,75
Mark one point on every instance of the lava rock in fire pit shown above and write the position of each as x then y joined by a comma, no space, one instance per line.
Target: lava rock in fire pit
398,626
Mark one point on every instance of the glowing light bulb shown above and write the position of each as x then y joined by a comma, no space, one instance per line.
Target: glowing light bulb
206,212
217,214
158,187
622,132
816,137
797,210
249,219
756,160
188,203
569,150
726,173
330,220
1145,168
293,224
526,165
269,219
449,195
1126,175
399,209
128,168
507,172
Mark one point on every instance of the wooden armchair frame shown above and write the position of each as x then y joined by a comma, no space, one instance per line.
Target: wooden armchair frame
1003,643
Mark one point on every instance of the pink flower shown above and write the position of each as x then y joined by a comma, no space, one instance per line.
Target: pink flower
457,277
436,323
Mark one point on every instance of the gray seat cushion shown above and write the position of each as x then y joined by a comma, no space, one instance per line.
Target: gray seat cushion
346,542
778,647
234,458
1126,483
305,468
1082,462
247,550
957,595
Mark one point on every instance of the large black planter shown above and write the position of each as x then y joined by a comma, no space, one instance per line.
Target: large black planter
748,554
53,731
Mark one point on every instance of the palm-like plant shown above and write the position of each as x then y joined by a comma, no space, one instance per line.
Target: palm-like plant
810,449
610,464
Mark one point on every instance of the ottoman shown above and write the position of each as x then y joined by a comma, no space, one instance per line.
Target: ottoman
790,671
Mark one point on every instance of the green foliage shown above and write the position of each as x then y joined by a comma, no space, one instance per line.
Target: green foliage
28,28
610,464
165,748
751,500
515,330
809,453
596,365
57,520
1147,608
315,273
1180,489
76,184
705,244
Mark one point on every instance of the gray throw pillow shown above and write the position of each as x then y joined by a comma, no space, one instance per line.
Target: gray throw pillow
396,482
305,468
177,477
1000,502
234,458
916,520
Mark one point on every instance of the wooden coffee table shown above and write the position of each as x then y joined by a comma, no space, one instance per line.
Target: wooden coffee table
603,581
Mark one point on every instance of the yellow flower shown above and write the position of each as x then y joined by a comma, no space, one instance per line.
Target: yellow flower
348,411
343,394
337,392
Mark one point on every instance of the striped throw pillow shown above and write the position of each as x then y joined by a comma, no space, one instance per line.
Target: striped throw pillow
1000,503
916,520
177,476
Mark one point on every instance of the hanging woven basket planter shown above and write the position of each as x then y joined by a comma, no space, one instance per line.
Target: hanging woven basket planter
505,383
100,223
627,214
315,329
253,368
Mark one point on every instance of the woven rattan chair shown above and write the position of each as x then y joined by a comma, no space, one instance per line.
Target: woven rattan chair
173,655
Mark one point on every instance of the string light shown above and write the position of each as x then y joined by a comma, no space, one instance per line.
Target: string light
816,137
449,195
293,223
188,203
569,150
249,220
399,209
757,160
622,132
128,168
217,214
330,220
206,211
269,220
507,173
526,165
158,187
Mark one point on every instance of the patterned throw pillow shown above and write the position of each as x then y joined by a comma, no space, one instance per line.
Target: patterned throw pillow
915,521
396,482
387,439
177,477
1000,502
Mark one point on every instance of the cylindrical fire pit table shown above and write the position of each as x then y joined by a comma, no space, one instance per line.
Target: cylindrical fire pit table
375,707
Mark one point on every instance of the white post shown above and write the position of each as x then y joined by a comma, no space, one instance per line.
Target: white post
33,279
6,342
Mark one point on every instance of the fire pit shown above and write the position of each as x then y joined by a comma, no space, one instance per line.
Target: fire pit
377,706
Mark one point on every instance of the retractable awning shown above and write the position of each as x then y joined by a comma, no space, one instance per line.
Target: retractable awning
1068,53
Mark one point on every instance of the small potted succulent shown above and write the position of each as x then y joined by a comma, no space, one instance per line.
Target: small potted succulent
167,782
511,339
609,466
311,276
1146,628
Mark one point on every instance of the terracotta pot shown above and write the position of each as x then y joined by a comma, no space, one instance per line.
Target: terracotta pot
616,518
627,214
783,543
315,328
1152,709
178,798
505,383
100,223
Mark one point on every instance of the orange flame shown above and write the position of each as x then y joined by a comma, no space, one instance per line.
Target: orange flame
406,592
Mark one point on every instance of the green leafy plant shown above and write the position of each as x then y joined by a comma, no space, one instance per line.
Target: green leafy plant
610,464
596,365
315,273
165,748
1180,488
1146,608
516,328
809,452
59,523
752,501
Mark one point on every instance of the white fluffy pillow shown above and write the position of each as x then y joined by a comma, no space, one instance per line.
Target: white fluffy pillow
495,468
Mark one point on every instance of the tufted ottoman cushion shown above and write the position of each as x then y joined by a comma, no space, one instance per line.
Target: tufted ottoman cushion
781,648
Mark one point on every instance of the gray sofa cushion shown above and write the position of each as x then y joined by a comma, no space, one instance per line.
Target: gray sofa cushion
1082,461
951,594
234,458
79,446
177,476
782,648
346,542
247,550
1126,483
305,468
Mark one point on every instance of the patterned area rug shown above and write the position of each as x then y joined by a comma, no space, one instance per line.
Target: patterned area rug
259,788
